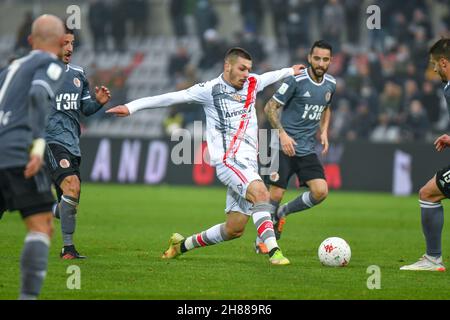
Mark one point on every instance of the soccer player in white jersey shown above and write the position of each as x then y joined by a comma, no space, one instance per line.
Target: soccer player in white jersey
229,104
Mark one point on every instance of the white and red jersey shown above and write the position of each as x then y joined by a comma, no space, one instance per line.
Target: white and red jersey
232,127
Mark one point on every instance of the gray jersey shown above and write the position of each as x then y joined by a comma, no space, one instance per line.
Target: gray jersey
72,99
27,87
447,94
304,102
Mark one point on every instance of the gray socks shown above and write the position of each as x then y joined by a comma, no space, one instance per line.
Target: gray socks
67,212
303,202
432,224
33,264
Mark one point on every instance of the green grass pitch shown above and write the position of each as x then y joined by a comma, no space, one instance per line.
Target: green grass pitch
124,229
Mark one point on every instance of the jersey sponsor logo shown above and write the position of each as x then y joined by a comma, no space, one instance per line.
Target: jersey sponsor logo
64,163
328,96
284,87
235,113
77,82
313,112
54,71
67,101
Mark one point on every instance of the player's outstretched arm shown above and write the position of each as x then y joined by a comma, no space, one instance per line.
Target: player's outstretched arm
271,77
160,101
442,142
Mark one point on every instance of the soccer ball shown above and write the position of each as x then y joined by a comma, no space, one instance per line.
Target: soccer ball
334,252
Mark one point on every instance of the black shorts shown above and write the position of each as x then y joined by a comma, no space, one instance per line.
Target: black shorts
443,181
29,196
306,167
61,163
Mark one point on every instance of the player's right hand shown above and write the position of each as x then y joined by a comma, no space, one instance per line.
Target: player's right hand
298,68
442,142
119,111
287,144
33,166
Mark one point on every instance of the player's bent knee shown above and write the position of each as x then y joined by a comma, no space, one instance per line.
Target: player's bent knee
425,194
71,186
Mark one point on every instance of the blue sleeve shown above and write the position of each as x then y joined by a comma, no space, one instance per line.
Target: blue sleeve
88,105
286,91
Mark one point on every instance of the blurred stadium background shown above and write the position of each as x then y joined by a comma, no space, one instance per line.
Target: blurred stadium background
386,95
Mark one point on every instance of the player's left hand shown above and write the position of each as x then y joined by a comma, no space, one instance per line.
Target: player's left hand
102,95
324,142
298,68
442,142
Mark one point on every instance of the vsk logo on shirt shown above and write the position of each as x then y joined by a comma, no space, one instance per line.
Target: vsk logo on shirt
67,101
313,112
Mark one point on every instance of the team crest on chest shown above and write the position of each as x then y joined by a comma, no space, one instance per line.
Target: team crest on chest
328,96
77,82
238,97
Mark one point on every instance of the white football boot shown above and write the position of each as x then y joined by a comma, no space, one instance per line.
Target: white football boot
426,263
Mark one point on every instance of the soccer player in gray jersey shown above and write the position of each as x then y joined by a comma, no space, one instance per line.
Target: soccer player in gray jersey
438,187
63,154
305,100
27,87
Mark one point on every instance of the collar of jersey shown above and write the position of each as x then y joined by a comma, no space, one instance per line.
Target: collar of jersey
49,53
317,84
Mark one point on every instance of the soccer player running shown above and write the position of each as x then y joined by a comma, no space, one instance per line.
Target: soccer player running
27,88
232,130
438,188
63,154
305,100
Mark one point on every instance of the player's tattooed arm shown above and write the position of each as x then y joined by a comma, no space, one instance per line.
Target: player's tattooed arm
271,110
287,143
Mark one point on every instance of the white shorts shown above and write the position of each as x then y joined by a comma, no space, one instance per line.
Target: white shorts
237,175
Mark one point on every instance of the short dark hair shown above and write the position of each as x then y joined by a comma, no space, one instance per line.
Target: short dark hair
67,30
237,52
323,45
441,49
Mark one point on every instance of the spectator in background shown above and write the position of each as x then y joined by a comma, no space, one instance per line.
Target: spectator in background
391,101
253,15
138,15
22,46
297,29
99,18
416,126
206,18
177,64
341,119
249,41
214,49
431,102
333,23
362,123
279,11
177,11
353,19
385,131
118,30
